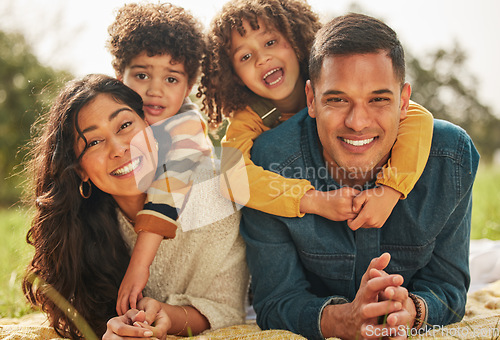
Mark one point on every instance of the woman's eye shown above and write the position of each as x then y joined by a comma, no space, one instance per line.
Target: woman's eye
171,80
93,143
141,76
125,125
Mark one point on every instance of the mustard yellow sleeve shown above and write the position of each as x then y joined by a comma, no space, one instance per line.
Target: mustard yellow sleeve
268,191
410,152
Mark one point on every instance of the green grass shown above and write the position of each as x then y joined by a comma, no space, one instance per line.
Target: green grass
486,204
15,253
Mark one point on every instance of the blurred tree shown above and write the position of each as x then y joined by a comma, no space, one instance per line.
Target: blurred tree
441,83
26,88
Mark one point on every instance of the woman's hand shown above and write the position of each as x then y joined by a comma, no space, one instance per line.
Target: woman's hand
150,320
122,327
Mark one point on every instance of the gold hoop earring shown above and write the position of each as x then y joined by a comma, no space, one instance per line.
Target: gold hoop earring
89,191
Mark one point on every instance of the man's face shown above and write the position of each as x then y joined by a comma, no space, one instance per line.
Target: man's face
357,103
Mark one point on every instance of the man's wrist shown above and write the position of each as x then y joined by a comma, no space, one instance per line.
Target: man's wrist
418,320
333,321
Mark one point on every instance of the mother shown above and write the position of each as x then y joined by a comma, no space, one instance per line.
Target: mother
83,193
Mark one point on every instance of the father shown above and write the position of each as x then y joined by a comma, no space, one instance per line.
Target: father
319,278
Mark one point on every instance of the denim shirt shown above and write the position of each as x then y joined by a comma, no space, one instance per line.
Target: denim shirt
300,265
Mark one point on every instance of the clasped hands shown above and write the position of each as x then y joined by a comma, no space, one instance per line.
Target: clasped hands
380,296
149,320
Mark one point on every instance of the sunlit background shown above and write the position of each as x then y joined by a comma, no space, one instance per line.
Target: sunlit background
70,34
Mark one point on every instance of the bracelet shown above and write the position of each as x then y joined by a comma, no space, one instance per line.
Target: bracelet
186,323
418,309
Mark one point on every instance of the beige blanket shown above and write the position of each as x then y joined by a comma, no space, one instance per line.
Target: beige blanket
482,321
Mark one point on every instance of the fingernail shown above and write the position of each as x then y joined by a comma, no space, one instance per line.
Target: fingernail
148,333
145,322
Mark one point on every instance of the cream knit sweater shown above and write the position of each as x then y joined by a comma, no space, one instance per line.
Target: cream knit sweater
204,268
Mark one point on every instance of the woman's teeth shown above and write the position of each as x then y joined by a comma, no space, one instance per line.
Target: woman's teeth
127,168
358,142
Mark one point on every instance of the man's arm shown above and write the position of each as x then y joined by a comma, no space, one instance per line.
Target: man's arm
280,287
444,281
282,297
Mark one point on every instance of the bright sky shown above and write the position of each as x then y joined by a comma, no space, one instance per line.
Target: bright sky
71,33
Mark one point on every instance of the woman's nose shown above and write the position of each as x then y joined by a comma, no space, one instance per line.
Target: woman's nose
118,147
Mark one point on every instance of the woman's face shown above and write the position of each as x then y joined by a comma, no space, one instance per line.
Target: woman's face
121,153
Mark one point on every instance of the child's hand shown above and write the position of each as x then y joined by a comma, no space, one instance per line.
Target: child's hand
373,207
130,291
336,205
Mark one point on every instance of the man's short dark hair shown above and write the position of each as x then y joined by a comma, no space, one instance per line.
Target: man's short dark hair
356,34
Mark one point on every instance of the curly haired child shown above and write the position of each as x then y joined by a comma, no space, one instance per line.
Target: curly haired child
255,74
157,51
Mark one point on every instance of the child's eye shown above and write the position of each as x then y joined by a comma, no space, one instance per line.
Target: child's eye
171,80
270,43
141,76
246,57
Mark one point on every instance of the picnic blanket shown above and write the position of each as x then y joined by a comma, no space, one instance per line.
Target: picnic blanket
481,321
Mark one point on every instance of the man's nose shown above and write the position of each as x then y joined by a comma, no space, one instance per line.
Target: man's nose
358,118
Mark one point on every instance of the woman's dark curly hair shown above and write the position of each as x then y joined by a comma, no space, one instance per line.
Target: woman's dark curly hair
156,29
223,92
78,248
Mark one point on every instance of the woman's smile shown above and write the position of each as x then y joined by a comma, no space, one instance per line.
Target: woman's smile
127,168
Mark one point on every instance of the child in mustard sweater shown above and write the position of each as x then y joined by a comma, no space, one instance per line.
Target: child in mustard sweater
255,75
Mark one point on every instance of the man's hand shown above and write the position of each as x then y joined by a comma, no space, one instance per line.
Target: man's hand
350,321
394,323
373,207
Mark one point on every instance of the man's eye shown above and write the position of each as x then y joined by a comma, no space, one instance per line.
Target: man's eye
334,100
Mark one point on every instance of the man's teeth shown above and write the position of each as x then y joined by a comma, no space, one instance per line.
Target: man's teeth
358,142
127,168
